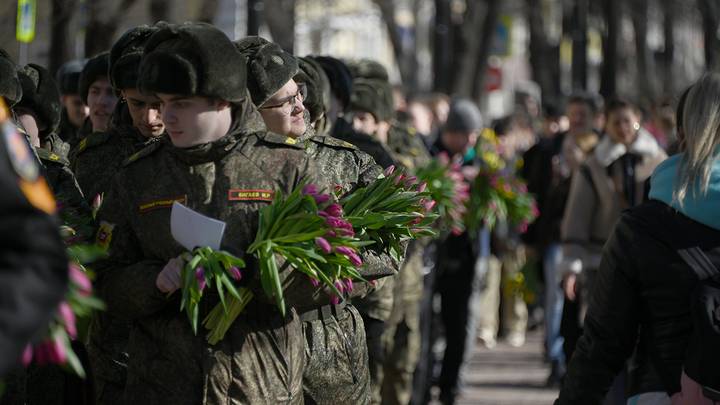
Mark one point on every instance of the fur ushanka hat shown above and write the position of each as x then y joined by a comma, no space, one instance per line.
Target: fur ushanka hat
95,68
41,95
269,67
193,59
125,55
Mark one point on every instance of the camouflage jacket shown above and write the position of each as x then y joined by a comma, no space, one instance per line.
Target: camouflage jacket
100,155
344,165
230,179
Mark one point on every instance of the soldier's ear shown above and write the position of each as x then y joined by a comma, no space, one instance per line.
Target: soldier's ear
221,104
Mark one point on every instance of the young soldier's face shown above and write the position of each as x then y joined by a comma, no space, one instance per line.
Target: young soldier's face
192,120
284,112
76,110
365,122
101,102
145,112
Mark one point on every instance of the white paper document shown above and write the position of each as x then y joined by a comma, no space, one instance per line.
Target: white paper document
192,229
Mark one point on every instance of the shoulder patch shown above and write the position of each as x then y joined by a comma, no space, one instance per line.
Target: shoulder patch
48,156
92,140
331,141
19,153
144,152
104,234
272,137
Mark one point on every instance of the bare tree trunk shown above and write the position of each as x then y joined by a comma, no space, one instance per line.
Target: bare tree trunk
280,18
668,55
710,11
159,10
442,46
579,46
608,76
542,62
465,54
103,23
208,10
60,50
255,8
387,10
642,53
489,26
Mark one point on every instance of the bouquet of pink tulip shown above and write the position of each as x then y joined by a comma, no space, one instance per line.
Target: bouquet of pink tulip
447,188
391,210
307,229
205,268
79,304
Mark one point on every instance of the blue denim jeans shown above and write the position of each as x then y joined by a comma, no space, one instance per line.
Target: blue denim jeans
554,299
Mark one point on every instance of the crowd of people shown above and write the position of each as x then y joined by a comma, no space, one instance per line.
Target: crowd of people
180,113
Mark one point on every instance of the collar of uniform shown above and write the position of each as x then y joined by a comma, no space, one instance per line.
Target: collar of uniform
207,152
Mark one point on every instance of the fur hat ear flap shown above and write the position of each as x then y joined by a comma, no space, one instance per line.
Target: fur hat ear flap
10,86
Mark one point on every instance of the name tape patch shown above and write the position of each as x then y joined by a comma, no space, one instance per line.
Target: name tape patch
250,195
160,204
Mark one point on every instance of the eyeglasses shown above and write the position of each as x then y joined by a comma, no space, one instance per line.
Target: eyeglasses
290,100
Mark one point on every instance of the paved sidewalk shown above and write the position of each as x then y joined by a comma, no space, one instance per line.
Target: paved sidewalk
508,375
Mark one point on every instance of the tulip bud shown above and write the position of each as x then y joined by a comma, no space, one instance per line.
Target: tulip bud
310,189
200,276
399,179
334,210
315,282
389,171
421,188
339,286
321,198
68,318
57,348
235,273
349,285
80,279
323,244
27,355
334,299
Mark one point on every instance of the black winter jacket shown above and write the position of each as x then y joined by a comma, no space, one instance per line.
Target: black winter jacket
641,299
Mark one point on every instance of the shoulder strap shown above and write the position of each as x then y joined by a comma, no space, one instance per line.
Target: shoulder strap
700,263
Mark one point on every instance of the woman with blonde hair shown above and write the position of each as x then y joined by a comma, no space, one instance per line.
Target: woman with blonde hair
641,301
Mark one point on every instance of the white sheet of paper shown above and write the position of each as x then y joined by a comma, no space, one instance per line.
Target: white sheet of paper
192,229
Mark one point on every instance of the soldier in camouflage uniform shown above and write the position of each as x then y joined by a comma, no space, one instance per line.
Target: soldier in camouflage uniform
135,122
373,108
74,112
334,334
218,149
38,113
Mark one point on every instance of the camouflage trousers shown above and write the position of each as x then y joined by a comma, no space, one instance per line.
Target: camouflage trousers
336,357
402,353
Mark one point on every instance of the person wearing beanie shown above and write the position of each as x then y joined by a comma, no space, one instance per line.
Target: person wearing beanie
96,91
135,121
220,160
459,256
341,82
328,328
74,111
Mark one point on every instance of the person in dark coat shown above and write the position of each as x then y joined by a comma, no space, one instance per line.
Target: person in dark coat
641,301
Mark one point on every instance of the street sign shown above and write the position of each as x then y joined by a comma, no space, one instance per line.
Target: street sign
25,29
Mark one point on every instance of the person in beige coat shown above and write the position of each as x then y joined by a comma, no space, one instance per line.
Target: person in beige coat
611,180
